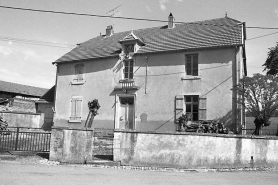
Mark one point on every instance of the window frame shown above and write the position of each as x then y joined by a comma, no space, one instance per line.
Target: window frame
192,103
79,78
192,68
74,116
128,70
127,46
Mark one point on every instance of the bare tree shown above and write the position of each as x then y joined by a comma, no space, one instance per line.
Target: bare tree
259,96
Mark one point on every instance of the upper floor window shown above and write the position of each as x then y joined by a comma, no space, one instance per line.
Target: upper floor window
192,64
79,73
129,48
128,69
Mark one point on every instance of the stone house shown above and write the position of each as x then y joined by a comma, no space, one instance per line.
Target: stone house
145,79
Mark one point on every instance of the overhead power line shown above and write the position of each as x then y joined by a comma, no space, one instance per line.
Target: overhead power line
117,17
36,42
262,36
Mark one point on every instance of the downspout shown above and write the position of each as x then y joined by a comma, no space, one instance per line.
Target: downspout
243,115
234,93
146,78
55,93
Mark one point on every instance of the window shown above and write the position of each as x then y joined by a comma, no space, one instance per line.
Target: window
79,73
192,64
192,106
128,69
76,109
129,48
197,106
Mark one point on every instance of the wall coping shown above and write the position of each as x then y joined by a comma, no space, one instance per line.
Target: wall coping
11,112
197,134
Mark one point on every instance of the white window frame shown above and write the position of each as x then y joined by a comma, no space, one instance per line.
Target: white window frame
79,78
74,116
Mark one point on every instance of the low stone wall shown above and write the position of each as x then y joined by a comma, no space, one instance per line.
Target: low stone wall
23,119
192,150
71,146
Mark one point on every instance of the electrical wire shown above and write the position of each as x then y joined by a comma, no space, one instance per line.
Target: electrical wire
36,42
106,16
262,36
119,17
216,86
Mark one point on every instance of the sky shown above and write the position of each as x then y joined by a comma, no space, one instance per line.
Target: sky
31,64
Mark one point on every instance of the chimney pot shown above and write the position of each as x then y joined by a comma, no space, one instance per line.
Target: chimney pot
109,31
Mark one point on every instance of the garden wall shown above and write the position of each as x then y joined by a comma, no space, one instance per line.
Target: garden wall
23,119
71,146
192,150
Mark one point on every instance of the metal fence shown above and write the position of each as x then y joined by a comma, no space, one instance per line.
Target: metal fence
266,132
25,139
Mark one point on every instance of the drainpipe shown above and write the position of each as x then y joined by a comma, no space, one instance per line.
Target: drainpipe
146,74
234,93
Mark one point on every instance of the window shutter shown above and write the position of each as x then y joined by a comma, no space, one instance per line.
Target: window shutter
178,107
202,108
73,109
78,109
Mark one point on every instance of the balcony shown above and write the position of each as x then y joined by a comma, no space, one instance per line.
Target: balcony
126,84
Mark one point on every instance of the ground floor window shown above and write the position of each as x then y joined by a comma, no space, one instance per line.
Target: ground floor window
192,106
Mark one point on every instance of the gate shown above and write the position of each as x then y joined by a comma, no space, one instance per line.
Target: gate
23,139
103,144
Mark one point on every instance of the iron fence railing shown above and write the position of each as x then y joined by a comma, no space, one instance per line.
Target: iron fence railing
267,132
25,139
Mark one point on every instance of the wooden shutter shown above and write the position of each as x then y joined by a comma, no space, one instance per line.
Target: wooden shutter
73,109
78,109
178,107
202,108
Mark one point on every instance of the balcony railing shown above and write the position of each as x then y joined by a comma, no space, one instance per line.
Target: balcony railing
127,84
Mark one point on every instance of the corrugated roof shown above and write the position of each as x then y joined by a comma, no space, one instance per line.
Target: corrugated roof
203,34
21,89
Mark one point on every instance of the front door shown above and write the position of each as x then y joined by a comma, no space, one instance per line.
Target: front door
126,113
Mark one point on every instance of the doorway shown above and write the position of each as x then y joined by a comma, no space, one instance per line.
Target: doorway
126,112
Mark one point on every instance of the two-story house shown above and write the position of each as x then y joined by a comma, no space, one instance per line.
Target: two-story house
145,79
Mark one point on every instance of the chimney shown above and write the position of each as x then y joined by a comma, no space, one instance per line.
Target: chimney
171,21
109,31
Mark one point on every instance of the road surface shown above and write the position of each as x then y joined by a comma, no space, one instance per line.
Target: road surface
16,173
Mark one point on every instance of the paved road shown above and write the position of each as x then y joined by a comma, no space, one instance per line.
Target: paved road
15,173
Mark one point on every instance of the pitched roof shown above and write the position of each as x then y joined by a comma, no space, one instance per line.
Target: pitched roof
203,34
21,89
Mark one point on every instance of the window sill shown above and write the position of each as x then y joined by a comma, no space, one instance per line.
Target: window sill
189,77
78,83
74,121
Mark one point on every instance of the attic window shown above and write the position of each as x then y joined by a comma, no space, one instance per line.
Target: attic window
129,48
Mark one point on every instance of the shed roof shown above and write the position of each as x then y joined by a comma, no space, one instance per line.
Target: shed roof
19,89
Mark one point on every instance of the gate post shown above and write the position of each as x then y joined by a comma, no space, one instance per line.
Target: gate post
16,139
